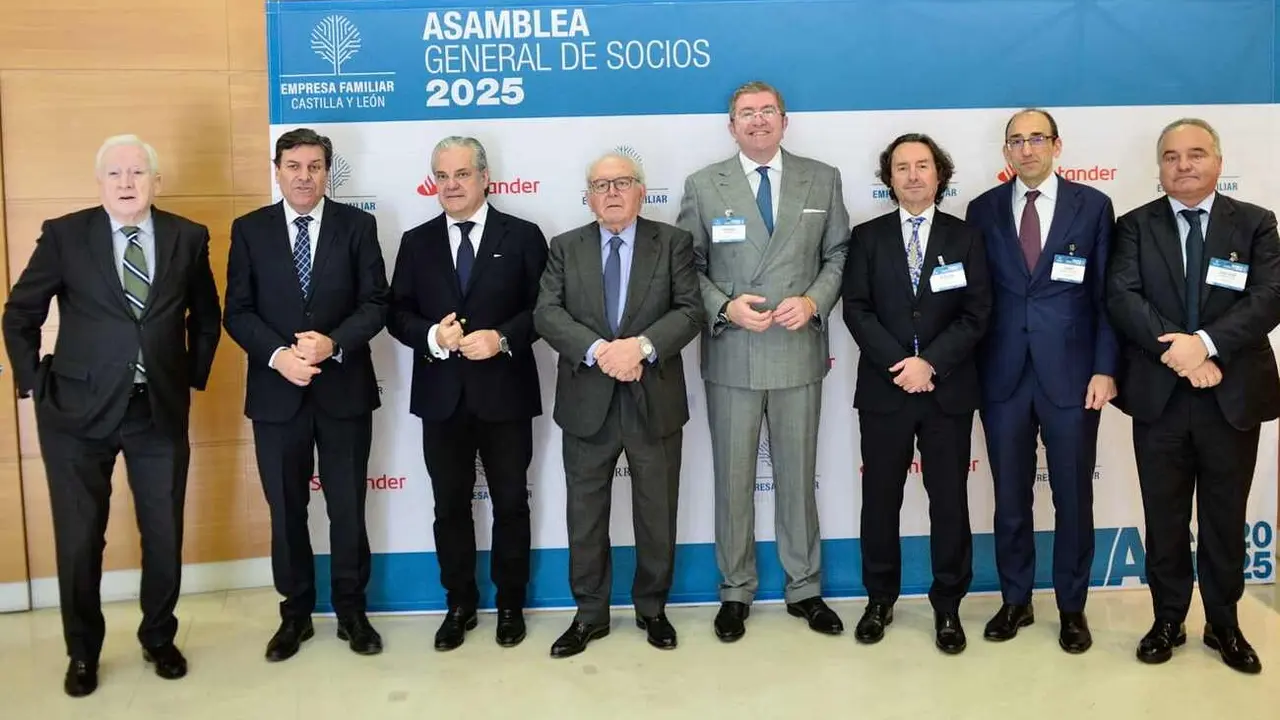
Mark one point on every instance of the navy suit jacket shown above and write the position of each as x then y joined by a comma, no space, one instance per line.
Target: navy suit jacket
1061,328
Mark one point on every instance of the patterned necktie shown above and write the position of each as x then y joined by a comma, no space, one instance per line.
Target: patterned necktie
302,253
1029,232
613,283
764,198
466,255
1194,267
137,284
915,266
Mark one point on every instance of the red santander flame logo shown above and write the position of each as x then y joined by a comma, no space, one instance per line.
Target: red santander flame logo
428,188
1006,174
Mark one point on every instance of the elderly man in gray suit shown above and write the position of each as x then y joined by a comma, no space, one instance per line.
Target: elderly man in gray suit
770,235
618,302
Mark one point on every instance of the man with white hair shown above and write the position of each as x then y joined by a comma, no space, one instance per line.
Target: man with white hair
618,302
139,323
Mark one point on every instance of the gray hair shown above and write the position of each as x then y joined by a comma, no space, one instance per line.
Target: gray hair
478,156
637,170
153,160
1193,122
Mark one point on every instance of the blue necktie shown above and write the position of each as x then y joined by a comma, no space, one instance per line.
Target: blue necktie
613,283
764,198
302,253
1195,267
466,255
915,266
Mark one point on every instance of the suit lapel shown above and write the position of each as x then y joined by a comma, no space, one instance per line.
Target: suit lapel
495,230
644,260
1064,214
935,248
1219,242
278,243
324,244
1008,242
591,267
796,178
1165,230
166,247
737,197
102,249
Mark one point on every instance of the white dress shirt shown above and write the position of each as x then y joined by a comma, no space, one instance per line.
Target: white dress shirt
313,234
775,179
1045,204
479,217
904,218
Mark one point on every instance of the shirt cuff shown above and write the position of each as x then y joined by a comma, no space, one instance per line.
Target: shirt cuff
653,356
338,356
1213,350
590,359
271,362
432,345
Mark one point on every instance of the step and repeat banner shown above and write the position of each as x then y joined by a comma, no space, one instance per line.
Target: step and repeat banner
549,88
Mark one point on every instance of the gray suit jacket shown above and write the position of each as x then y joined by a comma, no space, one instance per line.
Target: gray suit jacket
805,256
662,304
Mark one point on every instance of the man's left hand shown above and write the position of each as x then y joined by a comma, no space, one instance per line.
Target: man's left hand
313,347
1186,353
480,344
793,312
1101,390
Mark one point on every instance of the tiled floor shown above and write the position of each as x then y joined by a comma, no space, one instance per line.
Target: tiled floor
780,670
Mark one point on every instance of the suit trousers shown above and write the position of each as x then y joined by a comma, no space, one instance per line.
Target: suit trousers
1071,447
735,415
590,465
79,474
1191,450
505,449
887,451
286,462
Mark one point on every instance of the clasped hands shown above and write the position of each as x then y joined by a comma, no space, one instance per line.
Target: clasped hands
297,363
792,313
475,345
1189,357
620,359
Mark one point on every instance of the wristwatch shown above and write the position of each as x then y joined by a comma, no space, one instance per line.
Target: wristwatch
723,316
646,347
503,345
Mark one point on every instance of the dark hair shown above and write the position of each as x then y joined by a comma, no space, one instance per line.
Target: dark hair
304,136
1053,124
941,161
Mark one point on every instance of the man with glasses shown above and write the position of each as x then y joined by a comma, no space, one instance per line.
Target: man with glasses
1199,378
770,233
618,302
1047,366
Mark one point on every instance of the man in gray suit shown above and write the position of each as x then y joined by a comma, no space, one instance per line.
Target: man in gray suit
618,301
770,235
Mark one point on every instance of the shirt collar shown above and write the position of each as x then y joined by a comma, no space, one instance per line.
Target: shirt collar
1048,189
316,212
146,225
1205,204
904,217
628,235
749,166
478,217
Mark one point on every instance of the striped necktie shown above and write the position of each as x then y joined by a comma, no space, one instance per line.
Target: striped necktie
137,283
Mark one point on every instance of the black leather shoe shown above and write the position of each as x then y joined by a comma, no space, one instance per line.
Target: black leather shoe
1236,652
661,633
875,619
359,634
288,639
168,660
949,633
455,626
1157,645
575,639
82,678
731,621
1007,620
511,628
821,618
1074,637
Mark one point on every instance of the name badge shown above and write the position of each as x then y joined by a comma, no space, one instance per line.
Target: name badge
1068,268
948,277
728,229
1227,274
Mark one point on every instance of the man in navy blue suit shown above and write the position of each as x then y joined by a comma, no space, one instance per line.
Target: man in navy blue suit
1048,365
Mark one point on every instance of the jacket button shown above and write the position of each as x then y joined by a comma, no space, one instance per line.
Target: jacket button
915,314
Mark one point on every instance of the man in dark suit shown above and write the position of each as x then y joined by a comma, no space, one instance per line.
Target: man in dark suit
463,292
917,299
1048,367
619,299
1198,377
138,327
306,292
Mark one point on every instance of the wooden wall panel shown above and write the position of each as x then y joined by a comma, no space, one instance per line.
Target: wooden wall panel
251,147
247,35
13,551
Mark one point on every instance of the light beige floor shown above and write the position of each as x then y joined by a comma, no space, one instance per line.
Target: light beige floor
780,670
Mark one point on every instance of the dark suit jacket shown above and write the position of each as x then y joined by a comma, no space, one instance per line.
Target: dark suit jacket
1062,326
884,314
1146,287
348,303
500,296
84,385
663,304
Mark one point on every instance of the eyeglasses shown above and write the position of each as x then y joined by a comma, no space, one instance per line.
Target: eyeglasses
622,184
1035,141
748,114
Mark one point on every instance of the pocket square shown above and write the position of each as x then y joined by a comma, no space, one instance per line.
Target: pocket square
497,255
813,210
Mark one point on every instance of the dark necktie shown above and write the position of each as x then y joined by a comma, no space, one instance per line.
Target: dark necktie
466,255
613,283
764,198
302,253
1029,231
137,284
1194,267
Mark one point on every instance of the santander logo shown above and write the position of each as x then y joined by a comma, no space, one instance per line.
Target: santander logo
428,188
1096,173
1004,176
516,186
